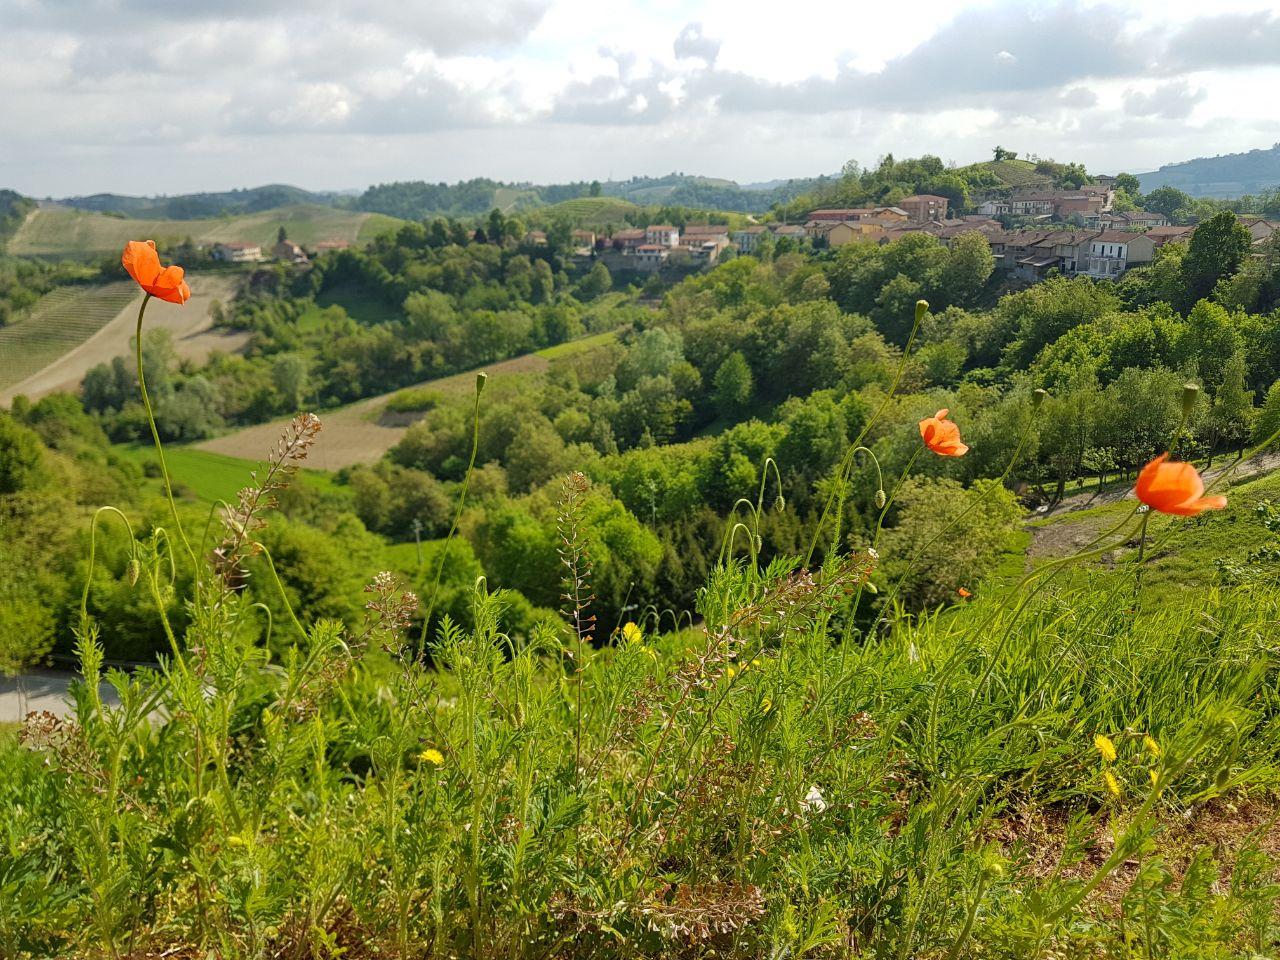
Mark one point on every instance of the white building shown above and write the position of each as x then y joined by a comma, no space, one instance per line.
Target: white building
237,252
662,235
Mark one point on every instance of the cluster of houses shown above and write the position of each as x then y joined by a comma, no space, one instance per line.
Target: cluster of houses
286,251
1072,231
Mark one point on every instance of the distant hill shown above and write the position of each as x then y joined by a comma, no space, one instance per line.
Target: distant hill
417,199
14,208
195,206
59,231
1230,175
999,174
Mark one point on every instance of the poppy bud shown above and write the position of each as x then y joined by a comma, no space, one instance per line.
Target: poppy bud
132,571
481,379
880,500
780,504
1037,398
1189,395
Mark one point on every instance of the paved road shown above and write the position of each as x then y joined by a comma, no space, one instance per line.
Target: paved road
41,690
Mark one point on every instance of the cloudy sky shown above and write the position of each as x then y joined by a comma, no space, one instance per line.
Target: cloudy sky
144,97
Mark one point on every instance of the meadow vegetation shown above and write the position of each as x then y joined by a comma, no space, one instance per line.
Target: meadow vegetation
715,638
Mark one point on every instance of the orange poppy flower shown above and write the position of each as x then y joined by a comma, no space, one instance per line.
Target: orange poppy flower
964,594
143,264
1174,488
942,436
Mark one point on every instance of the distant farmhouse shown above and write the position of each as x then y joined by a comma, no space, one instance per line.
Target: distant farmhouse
237,252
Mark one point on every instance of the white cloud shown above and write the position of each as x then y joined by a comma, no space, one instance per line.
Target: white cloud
110,96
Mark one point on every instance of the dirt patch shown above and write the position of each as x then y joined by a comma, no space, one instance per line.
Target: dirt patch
1064,535
1035,836
362,432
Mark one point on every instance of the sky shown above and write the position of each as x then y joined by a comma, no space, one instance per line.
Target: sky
147,98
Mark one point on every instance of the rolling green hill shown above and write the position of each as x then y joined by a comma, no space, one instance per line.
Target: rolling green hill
1010,173
1232,175
57,231
590,211
193,206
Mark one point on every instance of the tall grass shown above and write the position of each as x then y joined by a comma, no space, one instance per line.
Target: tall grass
744,787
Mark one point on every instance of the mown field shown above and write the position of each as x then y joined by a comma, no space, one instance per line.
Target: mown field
357,433
61,231
208,476
62,320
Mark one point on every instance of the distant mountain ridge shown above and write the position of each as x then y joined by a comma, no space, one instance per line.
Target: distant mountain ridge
1229,175
414,199
200,206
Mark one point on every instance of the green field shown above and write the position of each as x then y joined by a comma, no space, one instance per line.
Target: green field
591,211
210,476
62,231
60,321
1014,173
570,347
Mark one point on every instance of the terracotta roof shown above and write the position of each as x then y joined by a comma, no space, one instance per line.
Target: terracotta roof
1116,236
921,196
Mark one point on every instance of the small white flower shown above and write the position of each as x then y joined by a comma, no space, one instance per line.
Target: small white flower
871,552
813,801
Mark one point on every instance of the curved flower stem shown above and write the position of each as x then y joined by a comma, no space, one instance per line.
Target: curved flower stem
457,516
846,464
93,550
155,436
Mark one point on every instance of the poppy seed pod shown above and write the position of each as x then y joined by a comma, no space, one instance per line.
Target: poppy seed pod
1190,393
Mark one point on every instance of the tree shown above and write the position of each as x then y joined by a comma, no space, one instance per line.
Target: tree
597,282
1128,183
1170,201
1230,420
969,267
1217,249
497,226
1266,428
1000,153
733,386
282,234
594,189
21,456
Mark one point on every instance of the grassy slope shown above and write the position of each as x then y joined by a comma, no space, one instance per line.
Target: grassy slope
590,211
62,231
1013,173
210,476
60,321
355,434
1181,553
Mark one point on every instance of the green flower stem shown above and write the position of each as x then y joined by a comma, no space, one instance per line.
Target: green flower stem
155,436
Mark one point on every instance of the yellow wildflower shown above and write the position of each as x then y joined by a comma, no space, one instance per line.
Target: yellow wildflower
766,705
1105,747
1153,748
731,672
432,756
1113,785
1155,777
632,633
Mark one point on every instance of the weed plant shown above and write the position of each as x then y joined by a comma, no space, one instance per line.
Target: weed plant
1056,771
